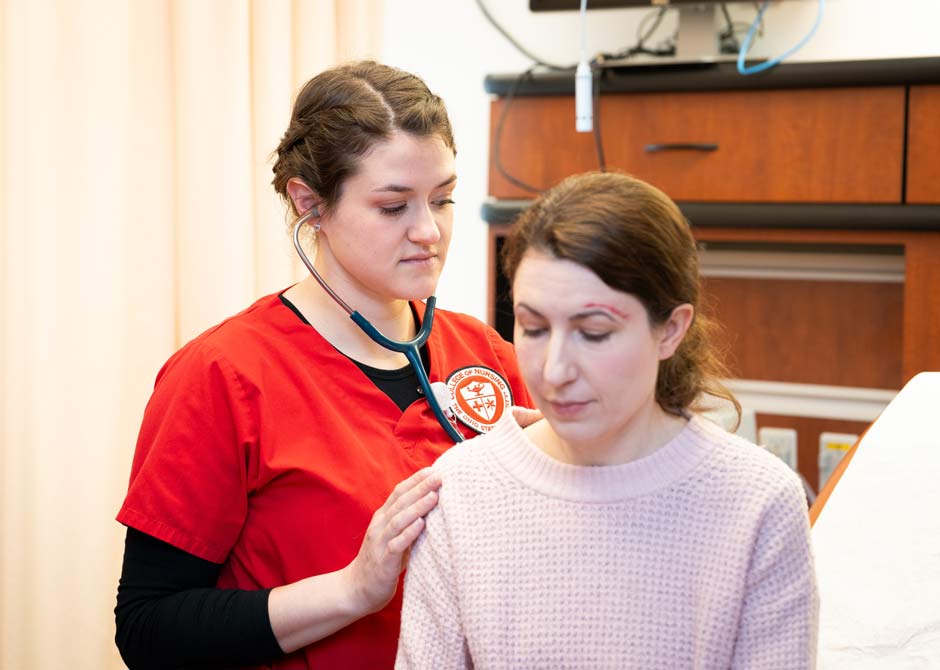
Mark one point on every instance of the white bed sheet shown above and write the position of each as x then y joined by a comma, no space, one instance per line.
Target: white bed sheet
877,543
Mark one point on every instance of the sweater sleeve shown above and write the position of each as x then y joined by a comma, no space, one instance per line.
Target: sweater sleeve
780,615
431,631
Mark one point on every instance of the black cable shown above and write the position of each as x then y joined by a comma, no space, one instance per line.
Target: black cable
498,134
727,38
640,46
729,24
525,52
598,144
642,37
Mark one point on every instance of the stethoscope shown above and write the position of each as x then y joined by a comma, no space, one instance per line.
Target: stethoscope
434,393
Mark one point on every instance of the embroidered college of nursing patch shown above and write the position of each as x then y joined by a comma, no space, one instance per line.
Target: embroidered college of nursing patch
480,396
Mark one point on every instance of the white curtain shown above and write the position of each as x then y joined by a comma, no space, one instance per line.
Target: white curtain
135,211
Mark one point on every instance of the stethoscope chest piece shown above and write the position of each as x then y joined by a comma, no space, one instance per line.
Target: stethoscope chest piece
443,398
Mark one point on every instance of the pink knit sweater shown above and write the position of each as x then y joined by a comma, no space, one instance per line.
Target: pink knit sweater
696,556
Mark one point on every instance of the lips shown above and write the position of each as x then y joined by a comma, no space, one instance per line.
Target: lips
424,257
568,409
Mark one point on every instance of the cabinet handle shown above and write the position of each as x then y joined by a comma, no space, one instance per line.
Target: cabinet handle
681,146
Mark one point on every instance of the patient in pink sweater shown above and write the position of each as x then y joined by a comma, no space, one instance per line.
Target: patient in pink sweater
623,530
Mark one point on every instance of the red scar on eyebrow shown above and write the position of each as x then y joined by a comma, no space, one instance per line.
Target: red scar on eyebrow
609,308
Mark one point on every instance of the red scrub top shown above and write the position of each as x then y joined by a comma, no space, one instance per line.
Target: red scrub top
267,450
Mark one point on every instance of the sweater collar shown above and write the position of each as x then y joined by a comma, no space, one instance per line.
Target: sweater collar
517,454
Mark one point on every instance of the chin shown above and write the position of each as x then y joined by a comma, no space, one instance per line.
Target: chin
574,431
418,290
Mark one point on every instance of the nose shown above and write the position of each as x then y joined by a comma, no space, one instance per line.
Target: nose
559,367
424,228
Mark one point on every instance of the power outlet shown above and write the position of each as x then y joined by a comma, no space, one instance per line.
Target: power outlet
781,442
747,428
832,448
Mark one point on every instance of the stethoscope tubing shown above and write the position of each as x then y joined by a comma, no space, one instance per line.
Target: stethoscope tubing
410,348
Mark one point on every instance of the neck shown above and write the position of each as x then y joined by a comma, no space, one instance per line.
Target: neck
393,319
647,432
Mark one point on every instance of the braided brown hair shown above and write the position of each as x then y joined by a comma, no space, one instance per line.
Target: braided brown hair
341,113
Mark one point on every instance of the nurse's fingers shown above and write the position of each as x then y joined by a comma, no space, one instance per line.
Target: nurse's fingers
373,574
409,507
411,490
401,518
403,541
525,416
425,479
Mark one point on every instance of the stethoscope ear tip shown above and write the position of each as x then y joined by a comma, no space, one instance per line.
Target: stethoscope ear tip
313,212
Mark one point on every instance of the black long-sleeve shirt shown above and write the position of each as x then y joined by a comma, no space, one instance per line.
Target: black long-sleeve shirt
170,614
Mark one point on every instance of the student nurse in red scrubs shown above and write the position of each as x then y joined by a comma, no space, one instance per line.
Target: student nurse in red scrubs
280,475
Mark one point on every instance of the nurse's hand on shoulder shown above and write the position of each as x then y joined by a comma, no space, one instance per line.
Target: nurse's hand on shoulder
393,529
313,608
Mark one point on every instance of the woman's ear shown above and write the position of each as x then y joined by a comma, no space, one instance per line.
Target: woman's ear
673,331
302,196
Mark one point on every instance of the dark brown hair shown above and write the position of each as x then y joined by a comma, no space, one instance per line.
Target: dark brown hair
635,239
341,113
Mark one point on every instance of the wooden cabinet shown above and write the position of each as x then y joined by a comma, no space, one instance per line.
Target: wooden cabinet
923,157
810,331
801,145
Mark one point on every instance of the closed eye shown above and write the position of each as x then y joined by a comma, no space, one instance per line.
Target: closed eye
595,337
393,211
533,332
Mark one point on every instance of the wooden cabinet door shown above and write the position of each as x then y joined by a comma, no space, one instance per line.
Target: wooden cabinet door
803,145
923,145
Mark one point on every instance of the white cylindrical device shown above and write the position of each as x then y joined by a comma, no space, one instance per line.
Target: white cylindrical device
583,91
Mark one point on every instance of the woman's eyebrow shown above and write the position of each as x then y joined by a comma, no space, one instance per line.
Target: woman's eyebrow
528,308
602,306
397,188
594,309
